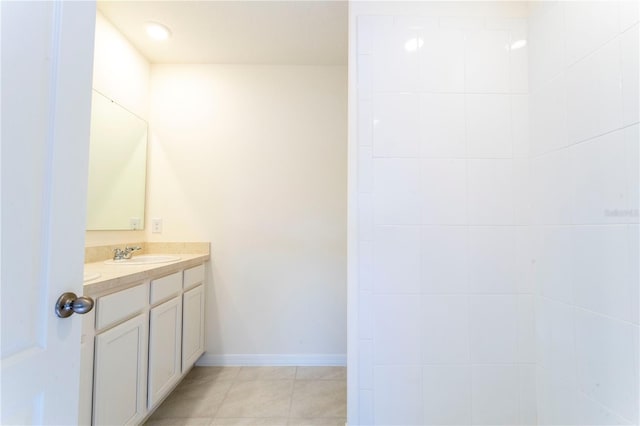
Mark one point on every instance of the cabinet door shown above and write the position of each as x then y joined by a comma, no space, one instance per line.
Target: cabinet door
192,326
120,373
165,335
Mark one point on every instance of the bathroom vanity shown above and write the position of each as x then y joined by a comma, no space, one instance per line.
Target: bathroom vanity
143,336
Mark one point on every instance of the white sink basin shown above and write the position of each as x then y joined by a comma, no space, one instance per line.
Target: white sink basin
144,259
90,277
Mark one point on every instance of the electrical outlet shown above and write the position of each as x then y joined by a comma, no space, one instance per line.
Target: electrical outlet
156,225
134,223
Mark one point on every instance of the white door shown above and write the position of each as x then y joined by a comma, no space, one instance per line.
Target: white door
47,59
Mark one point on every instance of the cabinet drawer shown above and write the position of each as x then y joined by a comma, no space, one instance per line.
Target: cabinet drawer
121,305
165,287
193,276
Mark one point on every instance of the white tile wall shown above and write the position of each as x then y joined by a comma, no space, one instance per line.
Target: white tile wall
444,192
398,395
396,125
442,124
494,329
445,257
495,398
487,62
492,262
442,63
390,206
498,195
585,177
396,259
396,319
608,362
489,126
594,93
491,192
445,329
444,114
447,395
630,50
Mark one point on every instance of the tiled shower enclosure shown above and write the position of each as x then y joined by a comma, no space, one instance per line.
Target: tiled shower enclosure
496,204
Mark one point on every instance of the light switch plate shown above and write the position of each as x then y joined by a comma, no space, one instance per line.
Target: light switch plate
156,225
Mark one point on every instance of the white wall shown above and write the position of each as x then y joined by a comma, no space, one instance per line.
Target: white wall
253,159
445,312
121,73
585,186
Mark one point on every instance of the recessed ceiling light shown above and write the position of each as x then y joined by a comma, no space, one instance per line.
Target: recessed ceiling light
413,44
518,44
157,31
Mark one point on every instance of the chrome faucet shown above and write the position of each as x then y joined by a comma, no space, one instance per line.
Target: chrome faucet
120,254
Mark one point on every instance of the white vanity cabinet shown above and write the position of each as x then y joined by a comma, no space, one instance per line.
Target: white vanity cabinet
119,374
120,357
193,316
165,337
139,342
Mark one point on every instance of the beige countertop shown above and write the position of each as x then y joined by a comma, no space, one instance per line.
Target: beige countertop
116,277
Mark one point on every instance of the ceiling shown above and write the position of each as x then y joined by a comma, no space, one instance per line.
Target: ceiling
236,32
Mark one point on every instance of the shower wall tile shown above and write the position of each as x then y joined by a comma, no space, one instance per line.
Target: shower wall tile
629,14
527,395
491,192
365,364
365,122
589,25
445,257
520,126
522,191
395,68
445,329
487,62
518,57
494,328
442,60
601,170
489,132
603,276
365,407
608,362
365,77
390,206
398,395
365,169
526,349
446,394
549,116
552,189
397,320
443,210
546,44
365,266
492,262
396,259
365,315
594,93
444,192
495,398
442,126
396,125
553,274
630,51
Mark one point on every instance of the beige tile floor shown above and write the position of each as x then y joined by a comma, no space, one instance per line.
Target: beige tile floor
257,396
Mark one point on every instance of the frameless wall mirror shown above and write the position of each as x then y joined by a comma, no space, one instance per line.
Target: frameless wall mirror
117,167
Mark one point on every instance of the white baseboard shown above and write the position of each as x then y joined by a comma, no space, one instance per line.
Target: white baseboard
211,360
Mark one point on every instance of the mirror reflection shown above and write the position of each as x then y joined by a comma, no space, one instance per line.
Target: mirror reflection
117,167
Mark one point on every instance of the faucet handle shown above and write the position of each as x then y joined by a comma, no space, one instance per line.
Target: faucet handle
130,249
